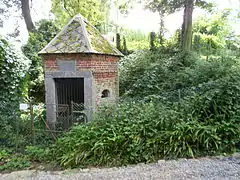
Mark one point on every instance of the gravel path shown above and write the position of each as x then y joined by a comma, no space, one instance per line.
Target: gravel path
204,168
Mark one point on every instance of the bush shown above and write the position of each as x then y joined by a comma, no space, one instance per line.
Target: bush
15,163
38,154
41,137
10,161
113,139
145,132
194,138
157,73
12,86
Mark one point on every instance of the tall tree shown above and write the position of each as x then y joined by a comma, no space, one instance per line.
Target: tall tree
6,7
27,15
171,6
187,25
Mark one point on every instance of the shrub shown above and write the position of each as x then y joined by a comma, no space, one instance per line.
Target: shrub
12,81
151,72
41,137
39,154
10,161
144,132
15,163
158,73
3,154
194,138
113,139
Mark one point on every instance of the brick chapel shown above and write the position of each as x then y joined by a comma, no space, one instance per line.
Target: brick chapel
81,68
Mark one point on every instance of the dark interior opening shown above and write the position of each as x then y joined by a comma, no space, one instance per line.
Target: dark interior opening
69,102
105,93
69,90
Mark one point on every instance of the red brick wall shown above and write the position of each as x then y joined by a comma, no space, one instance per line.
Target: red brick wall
95,63
103,67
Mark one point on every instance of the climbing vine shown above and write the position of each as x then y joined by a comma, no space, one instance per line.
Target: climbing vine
12,85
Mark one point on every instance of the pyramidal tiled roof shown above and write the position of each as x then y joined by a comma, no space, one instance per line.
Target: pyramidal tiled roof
78,36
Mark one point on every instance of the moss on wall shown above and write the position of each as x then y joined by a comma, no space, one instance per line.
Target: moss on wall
98,42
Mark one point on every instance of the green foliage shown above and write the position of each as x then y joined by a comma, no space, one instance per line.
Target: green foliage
38,39
164,7
135,39
124,47
161,6
19,134
39,154
146,66
144,132
171,6
17,151
152,41
15,163
10,161
11,89
233,44
90,9
176,105
41,137
115,138
211,33
131,67
3,155
154,72
193,138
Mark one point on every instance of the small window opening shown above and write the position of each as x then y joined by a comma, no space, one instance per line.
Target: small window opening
105,93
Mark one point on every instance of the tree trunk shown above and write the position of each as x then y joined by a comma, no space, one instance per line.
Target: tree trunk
26,15
118,42
187,25
152,40
161,30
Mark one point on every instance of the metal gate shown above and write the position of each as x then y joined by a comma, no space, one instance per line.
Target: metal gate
70,102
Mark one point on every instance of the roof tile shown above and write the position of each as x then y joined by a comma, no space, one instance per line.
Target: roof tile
78,36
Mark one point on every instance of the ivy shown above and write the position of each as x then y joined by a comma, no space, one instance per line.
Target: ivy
12,81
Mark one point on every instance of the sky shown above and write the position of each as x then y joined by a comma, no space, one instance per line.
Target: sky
138,18
148,21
